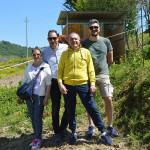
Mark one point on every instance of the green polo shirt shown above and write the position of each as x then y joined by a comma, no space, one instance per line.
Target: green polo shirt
98,50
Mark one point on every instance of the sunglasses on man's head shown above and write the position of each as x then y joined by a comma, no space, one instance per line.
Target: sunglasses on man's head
34,55
52,38
93,27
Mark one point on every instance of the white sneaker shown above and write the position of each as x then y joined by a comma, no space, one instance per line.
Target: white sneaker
31,144
36,144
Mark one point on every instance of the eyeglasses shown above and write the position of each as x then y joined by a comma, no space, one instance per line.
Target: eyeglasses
52,38
93,27
35,55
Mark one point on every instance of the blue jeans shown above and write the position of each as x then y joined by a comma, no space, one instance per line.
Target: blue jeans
88,101
55,98
35,110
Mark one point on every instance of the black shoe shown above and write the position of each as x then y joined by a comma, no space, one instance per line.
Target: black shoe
65,133
73,138
57,138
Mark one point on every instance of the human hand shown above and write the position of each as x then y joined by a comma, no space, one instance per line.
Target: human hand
19,101
92,89
62,88
45,101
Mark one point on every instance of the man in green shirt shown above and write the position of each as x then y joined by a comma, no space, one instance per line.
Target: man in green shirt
102,54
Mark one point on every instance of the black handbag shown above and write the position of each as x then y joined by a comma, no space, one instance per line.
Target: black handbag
25,91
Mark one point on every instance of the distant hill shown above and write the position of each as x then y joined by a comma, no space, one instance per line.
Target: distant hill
9,49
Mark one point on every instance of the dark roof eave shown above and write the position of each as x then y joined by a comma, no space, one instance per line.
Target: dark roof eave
84,16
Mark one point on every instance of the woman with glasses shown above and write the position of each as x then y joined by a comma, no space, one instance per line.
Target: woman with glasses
40,94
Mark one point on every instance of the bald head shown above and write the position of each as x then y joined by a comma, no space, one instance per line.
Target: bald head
74,40
74,34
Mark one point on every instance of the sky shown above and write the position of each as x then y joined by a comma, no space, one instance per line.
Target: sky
41,14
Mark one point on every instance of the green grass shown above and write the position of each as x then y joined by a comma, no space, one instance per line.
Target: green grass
13,70
131,101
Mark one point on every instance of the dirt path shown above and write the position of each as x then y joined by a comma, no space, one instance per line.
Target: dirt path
11,80
21,141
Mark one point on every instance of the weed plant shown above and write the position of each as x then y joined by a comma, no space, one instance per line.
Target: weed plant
13,70
131,81
132,97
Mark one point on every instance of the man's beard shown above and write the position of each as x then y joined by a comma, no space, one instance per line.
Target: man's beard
54,45
94,34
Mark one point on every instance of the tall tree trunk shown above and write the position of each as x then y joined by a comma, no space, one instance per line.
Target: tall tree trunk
136,33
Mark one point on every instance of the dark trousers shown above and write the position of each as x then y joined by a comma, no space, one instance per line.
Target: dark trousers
35,110
88,101
55,98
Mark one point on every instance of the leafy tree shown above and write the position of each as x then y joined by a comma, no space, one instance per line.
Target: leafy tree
69,4
146,8
107,5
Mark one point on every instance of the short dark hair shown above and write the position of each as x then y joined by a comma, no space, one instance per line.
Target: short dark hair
36,48
93,21
53,31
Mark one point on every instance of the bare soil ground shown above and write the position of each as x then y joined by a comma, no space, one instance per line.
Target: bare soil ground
21,140
11,80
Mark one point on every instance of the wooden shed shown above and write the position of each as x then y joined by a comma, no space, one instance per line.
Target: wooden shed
77,21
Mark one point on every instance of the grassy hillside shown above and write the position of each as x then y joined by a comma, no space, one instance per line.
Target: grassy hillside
131,101
131,81
9,49
13,70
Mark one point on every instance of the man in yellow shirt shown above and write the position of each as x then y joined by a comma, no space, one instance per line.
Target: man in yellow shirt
75,71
